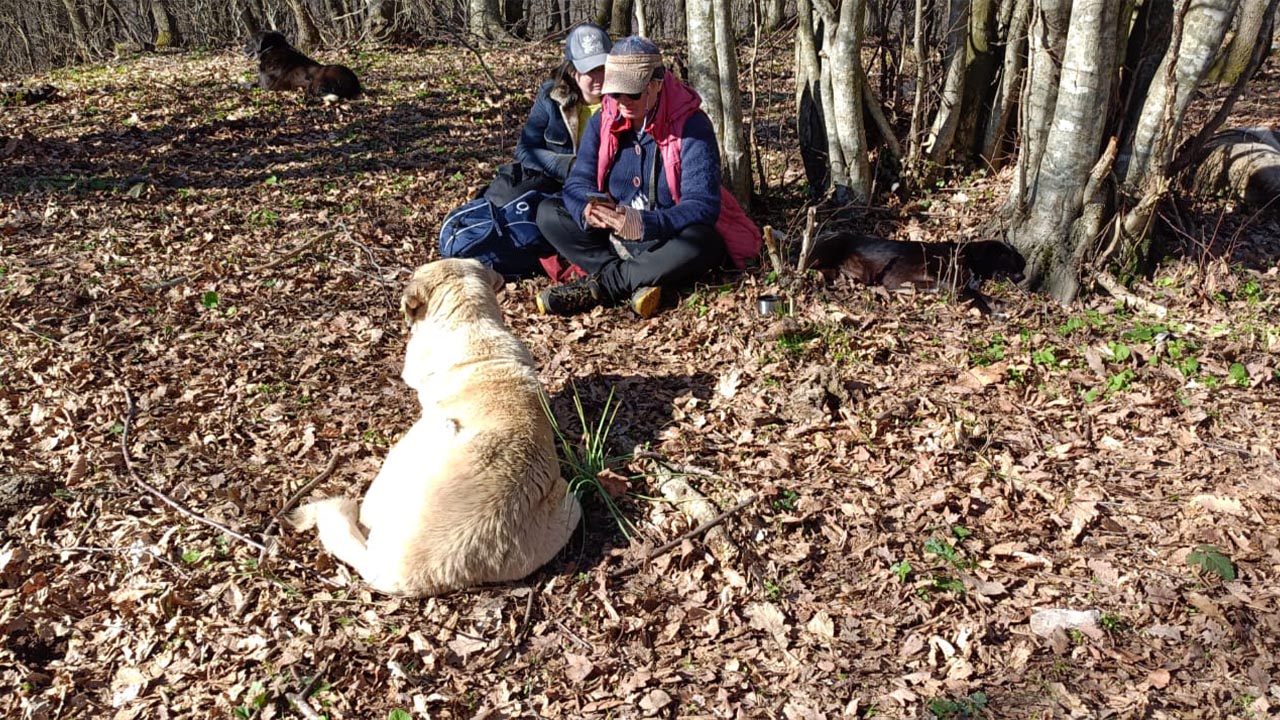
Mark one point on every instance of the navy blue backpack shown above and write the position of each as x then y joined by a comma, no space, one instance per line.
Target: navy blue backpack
504,238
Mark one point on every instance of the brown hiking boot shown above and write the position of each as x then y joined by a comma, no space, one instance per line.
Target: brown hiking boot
569,299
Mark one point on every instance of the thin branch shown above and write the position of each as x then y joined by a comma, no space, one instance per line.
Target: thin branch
668,547
128,463
268,541
806,240
1118,291
301,248
174,282
303,707
40,335
523,633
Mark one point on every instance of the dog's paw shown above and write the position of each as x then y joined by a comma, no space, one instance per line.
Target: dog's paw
303,518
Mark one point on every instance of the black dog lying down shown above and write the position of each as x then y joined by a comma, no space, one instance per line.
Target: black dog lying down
280,67
962,268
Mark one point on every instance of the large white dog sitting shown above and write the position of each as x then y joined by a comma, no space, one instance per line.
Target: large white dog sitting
472,493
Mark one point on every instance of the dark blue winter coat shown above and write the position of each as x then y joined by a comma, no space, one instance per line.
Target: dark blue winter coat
547,141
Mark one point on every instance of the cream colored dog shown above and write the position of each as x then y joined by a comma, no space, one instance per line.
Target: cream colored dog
472,493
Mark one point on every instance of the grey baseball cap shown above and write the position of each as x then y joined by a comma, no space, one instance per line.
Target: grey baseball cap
587,47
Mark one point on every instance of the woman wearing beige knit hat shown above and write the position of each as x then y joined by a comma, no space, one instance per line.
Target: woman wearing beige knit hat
643,208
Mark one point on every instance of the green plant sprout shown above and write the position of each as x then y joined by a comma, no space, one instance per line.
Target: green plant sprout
585,459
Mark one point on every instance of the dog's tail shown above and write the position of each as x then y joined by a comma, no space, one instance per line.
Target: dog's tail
336,519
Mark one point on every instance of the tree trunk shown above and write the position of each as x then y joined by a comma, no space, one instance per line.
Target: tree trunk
484,21
620,22
1254,27
602,13
811,125
772,15
832,80
735,153
1056,229
79,29
513,17
1047,42
1203,25
995,133
915,145
166,30
249,22
380,18
308,35
642,22
956,60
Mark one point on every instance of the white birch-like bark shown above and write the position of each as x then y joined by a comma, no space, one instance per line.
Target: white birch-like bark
1002,105
1046,40
735,156
483,20
1183,67
1071,150
943,132
846,85
915,145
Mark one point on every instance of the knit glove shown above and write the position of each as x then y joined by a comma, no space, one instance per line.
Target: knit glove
632,225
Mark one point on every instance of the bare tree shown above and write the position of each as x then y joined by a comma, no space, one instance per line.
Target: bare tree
772,13
829,85
166,29
713,71
79,28
1254,25
620,18
484,20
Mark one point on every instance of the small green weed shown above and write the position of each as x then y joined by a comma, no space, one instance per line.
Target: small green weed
1238,374
786,500
991,351
902,570
585,459
262,217
1210,559
969,707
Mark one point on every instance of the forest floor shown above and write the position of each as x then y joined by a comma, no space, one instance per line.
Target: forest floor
211,273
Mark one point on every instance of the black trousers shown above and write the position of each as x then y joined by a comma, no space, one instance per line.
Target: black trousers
672,262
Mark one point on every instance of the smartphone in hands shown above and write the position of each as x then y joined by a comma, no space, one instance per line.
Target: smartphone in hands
599,198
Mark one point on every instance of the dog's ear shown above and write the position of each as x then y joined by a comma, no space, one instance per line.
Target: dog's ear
496,281
413,302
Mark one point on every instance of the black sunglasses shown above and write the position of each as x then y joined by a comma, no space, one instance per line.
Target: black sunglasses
629,96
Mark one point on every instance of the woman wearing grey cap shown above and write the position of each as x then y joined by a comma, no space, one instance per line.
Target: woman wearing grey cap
643,208
549,141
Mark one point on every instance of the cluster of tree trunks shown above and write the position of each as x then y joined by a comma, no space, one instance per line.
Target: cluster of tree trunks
1087,99
1083,100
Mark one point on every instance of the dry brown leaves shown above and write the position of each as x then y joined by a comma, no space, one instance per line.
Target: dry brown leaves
928,479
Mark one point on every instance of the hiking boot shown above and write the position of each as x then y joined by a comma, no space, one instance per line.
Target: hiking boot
569,299
645,300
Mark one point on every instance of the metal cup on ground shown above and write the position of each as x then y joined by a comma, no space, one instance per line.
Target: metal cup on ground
771,305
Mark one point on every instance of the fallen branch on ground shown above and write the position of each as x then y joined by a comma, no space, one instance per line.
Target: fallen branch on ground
698,509
668,547
268,541
1118,291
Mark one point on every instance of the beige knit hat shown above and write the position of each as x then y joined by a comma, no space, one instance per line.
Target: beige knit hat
628,74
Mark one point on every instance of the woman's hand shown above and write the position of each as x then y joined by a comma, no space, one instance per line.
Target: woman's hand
608,217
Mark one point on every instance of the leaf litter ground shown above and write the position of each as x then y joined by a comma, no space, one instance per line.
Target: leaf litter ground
926,479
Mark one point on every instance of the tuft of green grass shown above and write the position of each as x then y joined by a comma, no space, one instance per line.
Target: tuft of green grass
585,459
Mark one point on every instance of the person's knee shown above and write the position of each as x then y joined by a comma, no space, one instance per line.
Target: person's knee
703,243
548,214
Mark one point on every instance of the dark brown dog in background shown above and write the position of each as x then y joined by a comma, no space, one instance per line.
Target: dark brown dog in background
280,67
892,264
